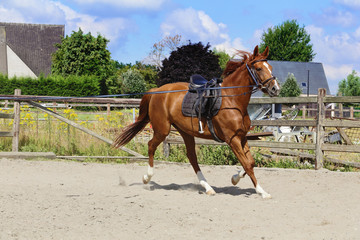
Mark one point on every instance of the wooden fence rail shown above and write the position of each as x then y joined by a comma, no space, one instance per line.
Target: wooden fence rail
319,124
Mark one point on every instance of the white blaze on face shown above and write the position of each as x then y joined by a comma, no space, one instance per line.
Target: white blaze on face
267,66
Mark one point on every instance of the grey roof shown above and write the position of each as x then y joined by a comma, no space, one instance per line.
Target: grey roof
301,71
34,43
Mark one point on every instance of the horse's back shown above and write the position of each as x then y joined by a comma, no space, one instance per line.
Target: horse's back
168,92
168,103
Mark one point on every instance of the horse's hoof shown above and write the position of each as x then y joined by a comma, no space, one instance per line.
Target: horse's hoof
210,192
265,195
261,192
145,179
235,179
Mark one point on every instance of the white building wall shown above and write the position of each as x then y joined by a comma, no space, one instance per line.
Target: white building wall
16,67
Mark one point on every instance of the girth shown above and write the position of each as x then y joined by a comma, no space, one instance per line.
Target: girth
202,101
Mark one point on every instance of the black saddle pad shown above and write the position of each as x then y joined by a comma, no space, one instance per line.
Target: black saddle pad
210,106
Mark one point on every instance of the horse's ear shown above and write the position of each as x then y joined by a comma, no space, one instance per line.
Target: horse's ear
256,51
266,52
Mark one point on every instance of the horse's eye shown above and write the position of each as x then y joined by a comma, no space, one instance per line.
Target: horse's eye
258,69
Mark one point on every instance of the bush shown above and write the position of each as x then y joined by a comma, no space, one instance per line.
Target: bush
52,85
133,82
290,88
217,155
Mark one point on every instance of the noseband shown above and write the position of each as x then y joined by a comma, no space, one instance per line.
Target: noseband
255,77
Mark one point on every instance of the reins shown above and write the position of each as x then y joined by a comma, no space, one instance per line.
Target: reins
44,98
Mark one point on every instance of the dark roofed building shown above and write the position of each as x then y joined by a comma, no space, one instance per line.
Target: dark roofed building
301,71
26,49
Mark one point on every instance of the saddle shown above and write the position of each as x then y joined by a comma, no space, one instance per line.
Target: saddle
203,101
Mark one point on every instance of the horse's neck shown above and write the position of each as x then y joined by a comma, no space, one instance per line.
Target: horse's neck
242,88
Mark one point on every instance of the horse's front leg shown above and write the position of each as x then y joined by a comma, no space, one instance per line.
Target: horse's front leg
191,154
242,151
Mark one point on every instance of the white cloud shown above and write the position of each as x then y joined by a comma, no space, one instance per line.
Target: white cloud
349,3
130,4
13,14
198,26
357,34
111,28
230,47
338,47
339,53
87,23
57,13
258,33
336,17
336,73
31,12
186,22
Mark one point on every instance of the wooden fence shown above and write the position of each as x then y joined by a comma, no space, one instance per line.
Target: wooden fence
319,123
17,98
16,124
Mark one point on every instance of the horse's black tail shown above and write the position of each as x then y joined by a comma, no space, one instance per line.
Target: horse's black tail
130,131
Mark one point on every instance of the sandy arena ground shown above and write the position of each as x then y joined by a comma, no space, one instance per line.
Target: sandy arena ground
71,200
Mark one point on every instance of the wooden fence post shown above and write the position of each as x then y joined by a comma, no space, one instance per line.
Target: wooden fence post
108,110
341,110
166,148
303,112
16,124
351,112
320,129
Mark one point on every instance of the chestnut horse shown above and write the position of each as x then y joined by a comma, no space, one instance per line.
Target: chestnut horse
163,109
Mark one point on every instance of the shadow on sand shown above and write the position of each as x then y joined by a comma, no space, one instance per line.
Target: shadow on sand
231,190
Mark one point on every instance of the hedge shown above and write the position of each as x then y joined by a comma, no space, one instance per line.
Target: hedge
52,85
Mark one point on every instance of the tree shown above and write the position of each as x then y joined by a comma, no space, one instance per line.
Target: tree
290,88
133,82
350,86
162,48
223,58
188,60
149,73
83,54
288,42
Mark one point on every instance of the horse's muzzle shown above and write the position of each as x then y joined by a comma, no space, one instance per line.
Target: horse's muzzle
274,91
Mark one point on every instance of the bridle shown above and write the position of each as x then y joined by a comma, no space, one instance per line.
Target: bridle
255,77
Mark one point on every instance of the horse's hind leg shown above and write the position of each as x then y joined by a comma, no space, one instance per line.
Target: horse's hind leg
159,137
242,152
191,154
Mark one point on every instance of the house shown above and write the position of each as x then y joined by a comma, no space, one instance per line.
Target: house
26,49
309,75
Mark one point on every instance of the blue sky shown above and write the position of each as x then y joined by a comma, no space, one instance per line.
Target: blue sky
133,26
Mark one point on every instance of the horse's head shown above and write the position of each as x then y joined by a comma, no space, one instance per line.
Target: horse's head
261,73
